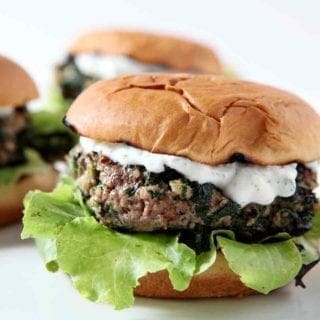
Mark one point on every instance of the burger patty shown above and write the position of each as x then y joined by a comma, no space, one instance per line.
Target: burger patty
131,198
13,131
71,80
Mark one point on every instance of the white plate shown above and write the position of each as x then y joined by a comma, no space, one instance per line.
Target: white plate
28,291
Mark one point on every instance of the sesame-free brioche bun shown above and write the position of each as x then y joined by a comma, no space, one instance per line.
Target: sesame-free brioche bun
11,204
218,281
16,86
174,53
205,118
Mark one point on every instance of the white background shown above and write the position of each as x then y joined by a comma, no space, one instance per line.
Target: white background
277,42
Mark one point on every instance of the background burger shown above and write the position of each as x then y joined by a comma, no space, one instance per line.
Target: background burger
108,53
21,166
183,186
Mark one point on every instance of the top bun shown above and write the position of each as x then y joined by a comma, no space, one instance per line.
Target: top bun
205,118
174,53
16,86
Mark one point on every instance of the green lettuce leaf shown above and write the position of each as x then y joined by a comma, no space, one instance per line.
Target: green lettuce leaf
262,267
205,259
9,175
45,214
49,136
105,265
48,251
314,233
309,252
55,101
47,122
108,264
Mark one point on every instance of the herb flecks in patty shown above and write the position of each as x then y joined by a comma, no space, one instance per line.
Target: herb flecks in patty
131,198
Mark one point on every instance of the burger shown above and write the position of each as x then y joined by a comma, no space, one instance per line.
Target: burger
21,166
104,54
183,186
108,53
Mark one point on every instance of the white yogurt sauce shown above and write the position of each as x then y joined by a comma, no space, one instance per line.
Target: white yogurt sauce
243,183
110,66
5,111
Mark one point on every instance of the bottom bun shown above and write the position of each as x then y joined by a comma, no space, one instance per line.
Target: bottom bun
218,281
11,204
